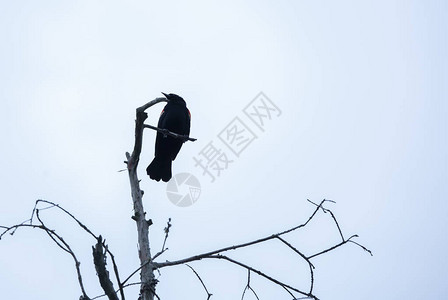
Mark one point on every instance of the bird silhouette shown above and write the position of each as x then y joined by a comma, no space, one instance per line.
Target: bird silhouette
176,118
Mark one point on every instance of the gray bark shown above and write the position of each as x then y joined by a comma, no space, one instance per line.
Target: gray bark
148,282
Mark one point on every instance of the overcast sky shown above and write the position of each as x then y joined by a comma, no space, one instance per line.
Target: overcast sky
359,97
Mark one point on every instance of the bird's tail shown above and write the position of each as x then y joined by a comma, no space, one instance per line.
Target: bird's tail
159,168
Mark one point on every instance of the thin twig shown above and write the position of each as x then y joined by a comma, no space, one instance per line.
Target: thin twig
124,286
151,103
248,287
325,210
68,249
284,285
115,267
15,227
264,239
305,258
364,248
200,279
167,231
132,274
166,132
329,249
159,253
67,213
51,233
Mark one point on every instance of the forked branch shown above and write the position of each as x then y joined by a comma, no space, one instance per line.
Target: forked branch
217,254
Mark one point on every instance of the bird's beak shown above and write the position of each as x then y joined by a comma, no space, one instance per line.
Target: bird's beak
166,96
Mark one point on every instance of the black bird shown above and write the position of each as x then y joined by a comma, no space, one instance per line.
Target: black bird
176,118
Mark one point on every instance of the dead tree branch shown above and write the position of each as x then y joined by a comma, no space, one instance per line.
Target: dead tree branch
101,249
166,132
200,279
305,258
146,275
248,287
99,260
167,231
61,243
58,240
216,254
85,228
258,241
287,287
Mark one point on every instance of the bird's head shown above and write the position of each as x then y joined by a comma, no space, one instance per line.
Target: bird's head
174,97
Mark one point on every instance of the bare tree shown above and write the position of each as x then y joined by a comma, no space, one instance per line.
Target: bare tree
149,263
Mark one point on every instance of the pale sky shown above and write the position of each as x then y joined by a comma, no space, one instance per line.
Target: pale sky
361,86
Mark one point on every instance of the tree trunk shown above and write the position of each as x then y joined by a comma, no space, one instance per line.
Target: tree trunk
148,282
